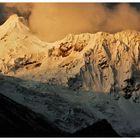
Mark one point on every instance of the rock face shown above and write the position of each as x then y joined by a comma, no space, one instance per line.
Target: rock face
99,62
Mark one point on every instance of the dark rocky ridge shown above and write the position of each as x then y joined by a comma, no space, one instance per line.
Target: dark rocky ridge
19,121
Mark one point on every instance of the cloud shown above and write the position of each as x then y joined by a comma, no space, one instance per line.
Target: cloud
53,21
21,9
123,17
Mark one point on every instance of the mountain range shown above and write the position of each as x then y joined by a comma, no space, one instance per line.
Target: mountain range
74,82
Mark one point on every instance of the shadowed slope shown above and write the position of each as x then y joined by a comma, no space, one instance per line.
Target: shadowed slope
19,121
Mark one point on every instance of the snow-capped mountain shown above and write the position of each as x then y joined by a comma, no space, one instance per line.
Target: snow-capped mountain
88,76
19,47
99,62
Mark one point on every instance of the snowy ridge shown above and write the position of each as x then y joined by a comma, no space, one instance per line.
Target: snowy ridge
98,73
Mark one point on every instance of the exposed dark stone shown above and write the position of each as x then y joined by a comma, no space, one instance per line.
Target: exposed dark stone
19,121
99,129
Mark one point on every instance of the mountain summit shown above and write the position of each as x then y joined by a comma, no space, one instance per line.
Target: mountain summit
18,44
15,23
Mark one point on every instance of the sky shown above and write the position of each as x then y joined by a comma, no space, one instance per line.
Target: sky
53,21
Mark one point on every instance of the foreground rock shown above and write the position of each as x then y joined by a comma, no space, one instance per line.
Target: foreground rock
19,121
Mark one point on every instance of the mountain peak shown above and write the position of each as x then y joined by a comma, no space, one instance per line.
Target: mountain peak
14,18
14,21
